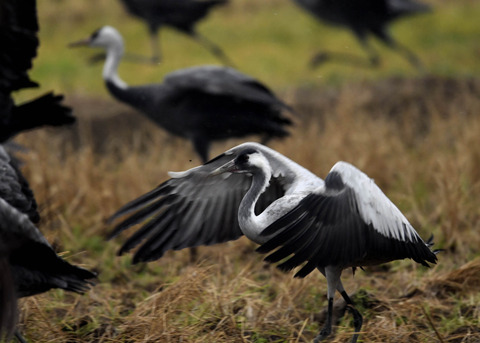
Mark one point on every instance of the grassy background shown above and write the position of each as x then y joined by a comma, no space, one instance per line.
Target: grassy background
415,133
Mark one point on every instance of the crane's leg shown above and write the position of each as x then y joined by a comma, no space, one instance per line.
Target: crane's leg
333,280
345,58
19,337
213,48
373,57
403,50
357,317
156,50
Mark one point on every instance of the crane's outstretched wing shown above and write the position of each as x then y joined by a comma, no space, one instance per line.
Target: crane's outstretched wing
348,222
192,208
223,81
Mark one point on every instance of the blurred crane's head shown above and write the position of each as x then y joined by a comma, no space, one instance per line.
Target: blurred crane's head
106,37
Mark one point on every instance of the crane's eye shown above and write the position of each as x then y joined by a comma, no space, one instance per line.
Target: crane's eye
95,34
242,159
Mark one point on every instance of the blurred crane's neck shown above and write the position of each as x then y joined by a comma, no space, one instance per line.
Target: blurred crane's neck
110,68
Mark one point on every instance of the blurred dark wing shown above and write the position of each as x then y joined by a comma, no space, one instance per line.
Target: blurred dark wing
44,110
36,268
193,208
19,42
14,188
349,222
34,265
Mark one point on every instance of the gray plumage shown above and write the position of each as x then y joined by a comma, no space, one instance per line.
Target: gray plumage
303,221
202,104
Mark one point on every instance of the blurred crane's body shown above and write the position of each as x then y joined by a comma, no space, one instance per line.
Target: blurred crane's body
344,221
364,17
28,264
202,104
182,15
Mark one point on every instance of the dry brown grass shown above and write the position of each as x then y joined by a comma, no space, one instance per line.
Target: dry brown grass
417,138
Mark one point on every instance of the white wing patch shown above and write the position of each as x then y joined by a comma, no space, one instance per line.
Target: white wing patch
374,206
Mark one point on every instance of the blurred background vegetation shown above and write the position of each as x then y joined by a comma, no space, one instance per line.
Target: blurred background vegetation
272,40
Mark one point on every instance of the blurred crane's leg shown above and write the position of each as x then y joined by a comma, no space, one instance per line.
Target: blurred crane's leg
213,48
346,58
401,49
156,49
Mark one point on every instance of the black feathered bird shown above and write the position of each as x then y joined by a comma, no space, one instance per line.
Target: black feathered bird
28,264
202,104
182,15
19,42
342,222
364,18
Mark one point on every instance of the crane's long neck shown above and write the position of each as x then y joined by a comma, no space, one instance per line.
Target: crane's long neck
110,68
250,223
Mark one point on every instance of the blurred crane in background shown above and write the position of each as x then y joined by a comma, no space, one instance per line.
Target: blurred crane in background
202,104
182,15
364,17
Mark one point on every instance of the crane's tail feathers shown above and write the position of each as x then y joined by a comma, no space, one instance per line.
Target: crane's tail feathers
429,243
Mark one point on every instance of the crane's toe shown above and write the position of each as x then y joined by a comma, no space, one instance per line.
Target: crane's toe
324,333
357,321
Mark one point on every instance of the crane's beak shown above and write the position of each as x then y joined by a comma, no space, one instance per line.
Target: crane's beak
229,167
83,42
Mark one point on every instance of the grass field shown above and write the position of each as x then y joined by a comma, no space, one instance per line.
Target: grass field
416,134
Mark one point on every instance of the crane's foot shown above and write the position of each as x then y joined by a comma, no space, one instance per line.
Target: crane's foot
357,321
324,333
19,337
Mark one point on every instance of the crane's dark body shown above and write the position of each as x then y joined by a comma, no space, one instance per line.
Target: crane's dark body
206,104
182,15
366,17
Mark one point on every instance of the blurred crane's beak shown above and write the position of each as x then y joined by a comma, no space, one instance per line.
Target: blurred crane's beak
229,167
83,42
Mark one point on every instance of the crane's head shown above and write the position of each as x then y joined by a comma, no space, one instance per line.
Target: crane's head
106,37
249,160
